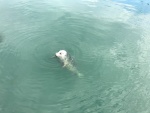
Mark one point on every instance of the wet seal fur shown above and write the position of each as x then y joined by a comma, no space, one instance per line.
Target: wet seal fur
67,61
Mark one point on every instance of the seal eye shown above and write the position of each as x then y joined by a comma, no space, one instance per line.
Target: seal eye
60,53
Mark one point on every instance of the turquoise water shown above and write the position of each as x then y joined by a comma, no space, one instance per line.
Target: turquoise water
109,41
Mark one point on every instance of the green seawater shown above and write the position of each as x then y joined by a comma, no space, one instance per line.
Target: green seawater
109,41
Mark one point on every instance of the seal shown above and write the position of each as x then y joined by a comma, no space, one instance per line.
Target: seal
67,61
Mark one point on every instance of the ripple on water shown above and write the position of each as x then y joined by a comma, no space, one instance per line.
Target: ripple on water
44,54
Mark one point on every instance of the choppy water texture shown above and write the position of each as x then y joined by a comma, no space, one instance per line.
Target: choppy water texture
109,41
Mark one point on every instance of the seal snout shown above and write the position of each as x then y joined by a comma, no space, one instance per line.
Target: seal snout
55,54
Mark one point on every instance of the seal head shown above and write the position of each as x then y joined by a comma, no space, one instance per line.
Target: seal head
62,55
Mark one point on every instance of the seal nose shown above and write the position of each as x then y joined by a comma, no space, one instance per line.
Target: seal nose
56,55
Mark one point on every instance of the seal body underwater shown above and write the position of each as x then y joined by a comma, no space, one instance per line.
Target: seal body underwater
67,62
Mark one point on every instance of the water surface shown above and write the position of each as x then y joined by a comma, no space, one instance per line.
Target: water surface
108,40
